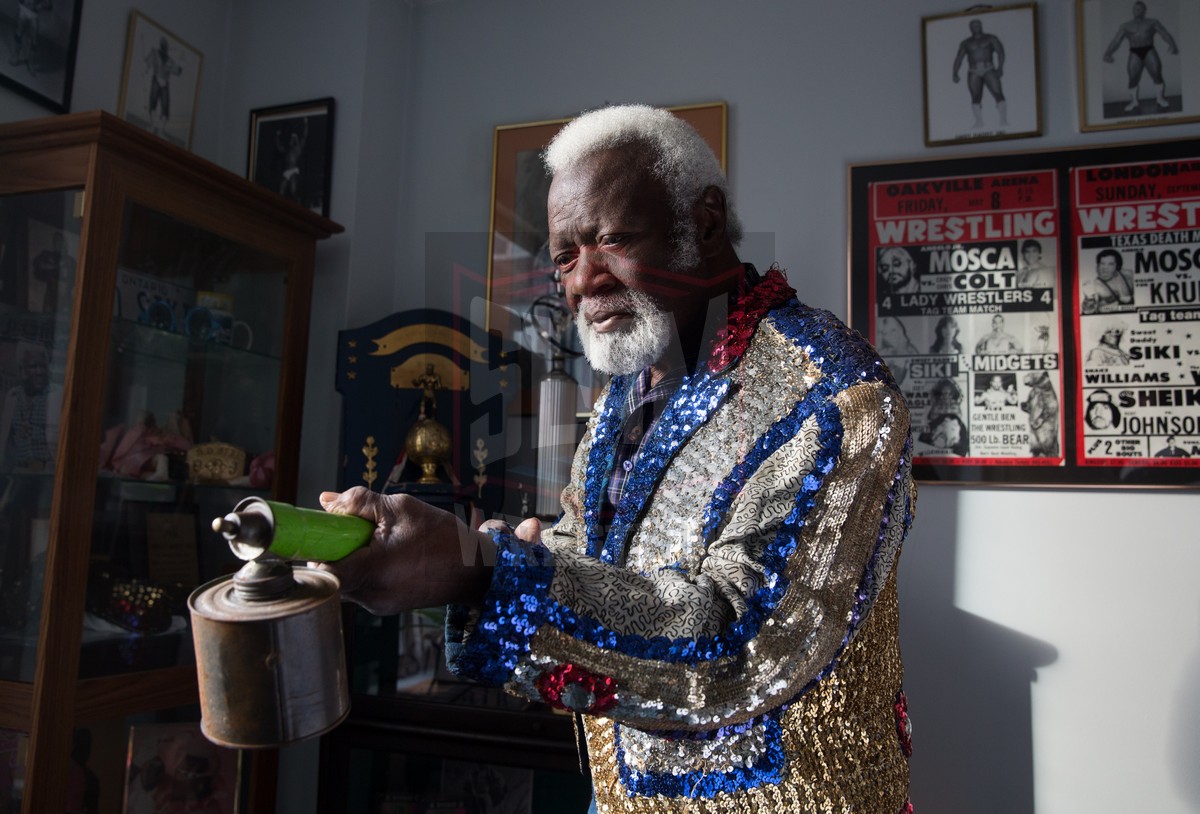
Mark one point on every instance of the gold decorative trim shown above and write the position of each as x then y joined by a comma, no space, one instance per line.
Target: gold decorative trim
370,451
426,333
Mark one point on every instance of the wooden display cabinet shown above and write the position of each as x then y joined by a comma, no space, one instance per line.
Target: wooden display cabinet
154,313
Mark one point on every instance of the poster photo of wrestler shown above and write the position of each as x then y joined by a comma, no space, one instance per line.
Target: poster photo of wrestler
1137,63
291,151
981,78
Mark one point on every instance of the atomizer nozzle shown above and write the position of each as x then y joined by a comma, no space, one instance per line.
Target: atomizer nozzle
249,533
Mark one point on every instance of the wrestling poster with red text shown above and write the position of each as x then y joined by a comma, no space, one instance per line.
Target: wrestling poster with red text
1039,309
1136,307
966,300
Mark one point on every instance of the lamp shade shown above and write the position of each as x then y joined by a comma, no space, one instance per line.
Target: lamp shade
557,397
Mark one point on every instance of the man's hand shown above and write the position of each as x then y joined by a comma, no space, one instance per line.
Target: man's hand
956,77
420,556
529,530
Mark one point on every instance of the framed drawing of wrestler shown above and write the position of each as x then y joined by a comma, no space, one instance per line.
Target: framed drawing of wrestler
1138,62
981,77
161,83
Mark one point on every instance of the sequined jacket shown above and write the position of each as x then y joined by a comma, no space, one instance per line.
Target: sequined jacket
733,639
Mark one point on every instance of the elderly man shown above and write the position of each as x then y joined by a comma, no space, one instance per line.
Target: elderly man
718,598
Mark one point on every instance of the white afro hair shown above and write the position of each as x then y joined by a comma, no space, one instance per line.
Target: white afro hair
681,159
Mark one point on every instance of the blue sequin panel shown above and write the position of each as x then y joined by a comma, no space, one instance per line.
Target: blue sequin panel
513,609
767,767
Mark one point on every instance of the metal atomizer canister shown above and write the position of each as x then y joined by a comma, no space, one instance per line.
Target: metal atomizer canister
269,652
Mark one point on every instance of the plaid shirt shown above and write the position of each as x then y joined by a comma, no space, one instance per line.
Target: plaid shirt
643,405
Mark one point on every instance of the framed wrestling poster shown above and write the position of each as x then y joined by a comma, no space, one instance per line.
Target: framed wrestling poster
291,151
1039,310
980,75
1133,71
160,85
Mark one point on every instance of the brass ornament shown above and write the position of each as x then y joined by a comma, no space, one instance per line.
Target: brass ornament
370,451
480,454
428,442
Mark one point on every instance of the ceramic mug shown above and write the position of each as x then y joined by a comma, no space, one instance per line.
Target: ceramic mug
212,320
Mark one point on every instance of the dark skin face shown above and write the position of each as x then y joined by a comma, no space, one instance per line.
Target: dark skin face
36,375
611,225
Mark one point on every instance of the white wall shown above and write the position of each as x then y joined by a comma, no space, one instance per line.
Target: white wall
1052,637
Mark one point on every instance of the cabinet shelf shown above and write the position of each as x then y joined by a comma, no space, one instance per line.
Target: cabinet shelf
159,344
149,302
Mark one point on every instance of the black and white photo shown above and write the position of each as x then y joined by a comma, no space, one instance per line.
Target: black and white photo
291,151
161,82
37,49
1138,64
981,75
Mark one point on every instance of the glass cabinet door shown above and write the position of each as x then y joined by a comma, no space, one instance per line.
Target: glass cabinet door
39,244
189,428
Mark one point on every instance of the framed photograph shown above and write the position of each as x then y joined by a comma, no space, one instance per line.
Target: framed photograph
980,75
173,767
37,58
519,268
291,151
1138,62
1039,310
161,83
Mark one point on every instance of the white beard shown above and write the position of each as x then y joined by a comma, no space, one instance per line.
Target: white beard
632,348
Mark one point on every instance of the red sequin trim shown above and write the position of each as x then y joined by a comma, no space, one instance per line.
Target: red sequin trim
903,724
732,340
553,683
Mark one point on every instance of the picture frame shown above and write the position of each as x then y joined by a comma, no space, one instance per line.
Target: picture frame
160,83
518,269
1039,310
37,59
173,767
291,151
981,79
1131,70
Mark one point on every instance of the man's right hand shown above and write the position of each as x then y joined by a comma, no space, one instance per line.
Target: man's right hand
420,556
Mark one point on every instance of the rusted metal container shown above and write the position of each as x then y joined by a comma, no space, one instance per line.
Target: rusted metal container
269,655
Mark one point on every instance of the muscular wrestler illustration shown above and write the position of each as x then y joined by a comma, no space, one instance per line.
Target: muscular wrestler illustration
985,65
162,67
1143,56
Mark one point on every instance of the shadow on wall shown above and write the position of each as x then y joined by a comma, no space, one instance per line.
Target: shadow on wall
1185,734
967,680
